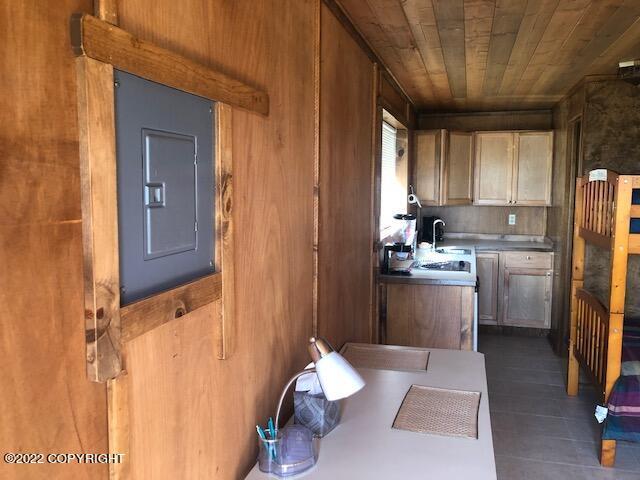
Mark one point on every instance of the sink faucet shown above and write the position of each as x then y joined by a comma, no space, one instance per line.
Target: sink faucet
433,231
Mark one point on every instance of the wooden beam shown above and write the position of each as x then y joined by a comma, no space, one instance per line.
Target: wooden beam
149,313
96,125
107,43
224,229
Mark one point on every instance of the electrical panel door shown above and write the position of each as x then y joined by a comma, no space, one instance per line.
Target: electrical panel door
164,140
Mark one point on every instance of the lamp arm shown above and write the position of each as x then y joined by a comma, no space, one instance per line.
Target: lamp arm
286,389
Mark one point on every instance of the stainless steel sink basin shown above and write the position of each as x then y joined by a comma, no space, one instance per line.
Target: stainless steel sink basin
448,266
454,251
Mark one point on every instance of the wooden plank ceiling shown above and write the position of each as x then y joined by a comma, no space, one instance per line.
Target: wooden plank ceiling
483,55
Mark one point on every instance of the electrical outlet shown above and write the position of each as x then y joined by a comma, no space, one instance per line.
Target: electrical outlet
512,219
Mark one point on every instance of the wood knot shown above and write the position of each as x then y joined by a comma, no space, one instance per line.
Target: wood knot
180,311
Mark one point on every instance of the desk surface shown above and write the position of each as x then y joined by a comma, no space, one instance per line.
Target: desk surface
364,445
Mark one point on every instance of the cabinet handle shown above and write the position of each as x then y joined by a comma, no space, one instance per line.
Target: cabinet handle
528,257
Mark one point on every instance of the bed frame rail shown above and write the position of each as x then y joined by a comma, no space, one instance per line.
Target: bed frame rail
592,334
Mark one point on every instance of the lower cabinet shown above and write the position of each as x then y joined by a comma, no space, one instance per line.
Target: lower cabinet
435,316
514,288
527,297
487,270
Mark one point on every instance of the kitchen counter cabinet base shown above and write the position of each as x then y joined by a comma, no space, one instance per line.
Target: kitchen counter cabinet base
433,316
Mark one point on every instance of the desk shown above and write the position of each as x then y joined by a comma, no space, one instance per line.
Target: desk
365,446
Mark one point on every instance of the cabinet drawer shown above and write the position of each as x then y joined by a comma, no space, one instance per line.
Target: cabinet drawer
528,260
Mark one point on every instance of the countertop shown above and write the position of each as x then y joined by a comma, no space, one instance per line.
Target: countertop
437,277
479,244
364,444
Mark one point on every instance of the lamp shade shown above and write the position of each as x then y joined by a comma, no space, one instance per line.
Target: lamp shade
337,377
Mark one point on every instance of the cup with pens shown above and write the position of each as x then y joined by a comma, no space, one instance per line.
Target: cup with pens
285,452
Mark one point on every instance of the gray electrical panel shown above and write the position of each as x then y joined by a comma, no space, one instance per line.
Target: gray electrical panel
164,140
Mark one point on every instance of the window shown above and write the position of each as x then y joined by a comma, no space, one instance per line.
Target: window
393,177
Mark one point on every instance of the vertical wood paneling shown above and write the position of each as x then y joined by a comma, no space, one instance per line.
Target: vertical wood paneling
209,404
345,237
46,402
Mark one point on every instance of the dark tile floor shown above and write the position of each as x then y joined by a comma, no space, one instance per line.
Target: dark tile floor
539,433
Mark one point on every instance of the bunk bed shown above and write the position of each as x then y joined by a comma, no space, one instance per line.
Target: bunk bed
607,213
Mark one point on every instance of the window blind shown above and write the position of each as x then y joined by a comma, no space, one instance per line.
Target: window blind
392,192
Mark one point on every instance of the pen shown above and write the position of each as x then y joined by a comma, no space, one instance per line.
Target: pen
270,448
272,430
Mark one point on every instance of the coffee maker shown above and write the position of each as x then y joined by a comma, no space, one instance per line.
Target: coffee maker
405,239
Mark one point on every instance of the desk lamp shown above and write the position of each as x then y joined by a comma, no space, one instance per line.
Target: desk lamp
337,377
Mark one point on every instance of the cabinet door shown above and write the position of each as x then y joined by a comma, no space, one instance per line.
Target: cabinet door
458,169
527,298
428,162
493,168
434,316
487,269
532,178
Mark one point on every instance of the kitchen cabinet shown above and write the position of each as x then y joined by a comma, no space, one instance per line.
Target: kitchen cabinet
487,269
527,281
443,173
429,149
513,168
458,169
532,180
493,168
527,297
434,316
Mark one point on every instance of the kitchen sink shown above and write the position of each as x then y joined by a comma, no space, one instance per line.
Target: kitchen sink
448,266
454,251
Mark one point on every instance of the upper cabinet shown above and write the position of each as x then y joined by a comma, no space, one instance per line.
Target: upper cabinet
532,180
494,168
513,168
443,167
458,169
429,150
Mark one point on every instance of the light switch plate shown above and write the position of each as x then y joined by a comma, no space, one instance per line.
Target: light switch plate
512,219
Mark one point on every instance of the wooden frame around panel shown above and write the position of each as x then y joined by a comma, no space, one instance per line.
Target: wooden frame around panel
101,40
106,323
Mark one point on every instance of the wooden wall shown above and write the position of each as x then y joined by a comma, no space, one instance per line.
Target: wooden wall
490,220
192,416
46,403
345,241
471,219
